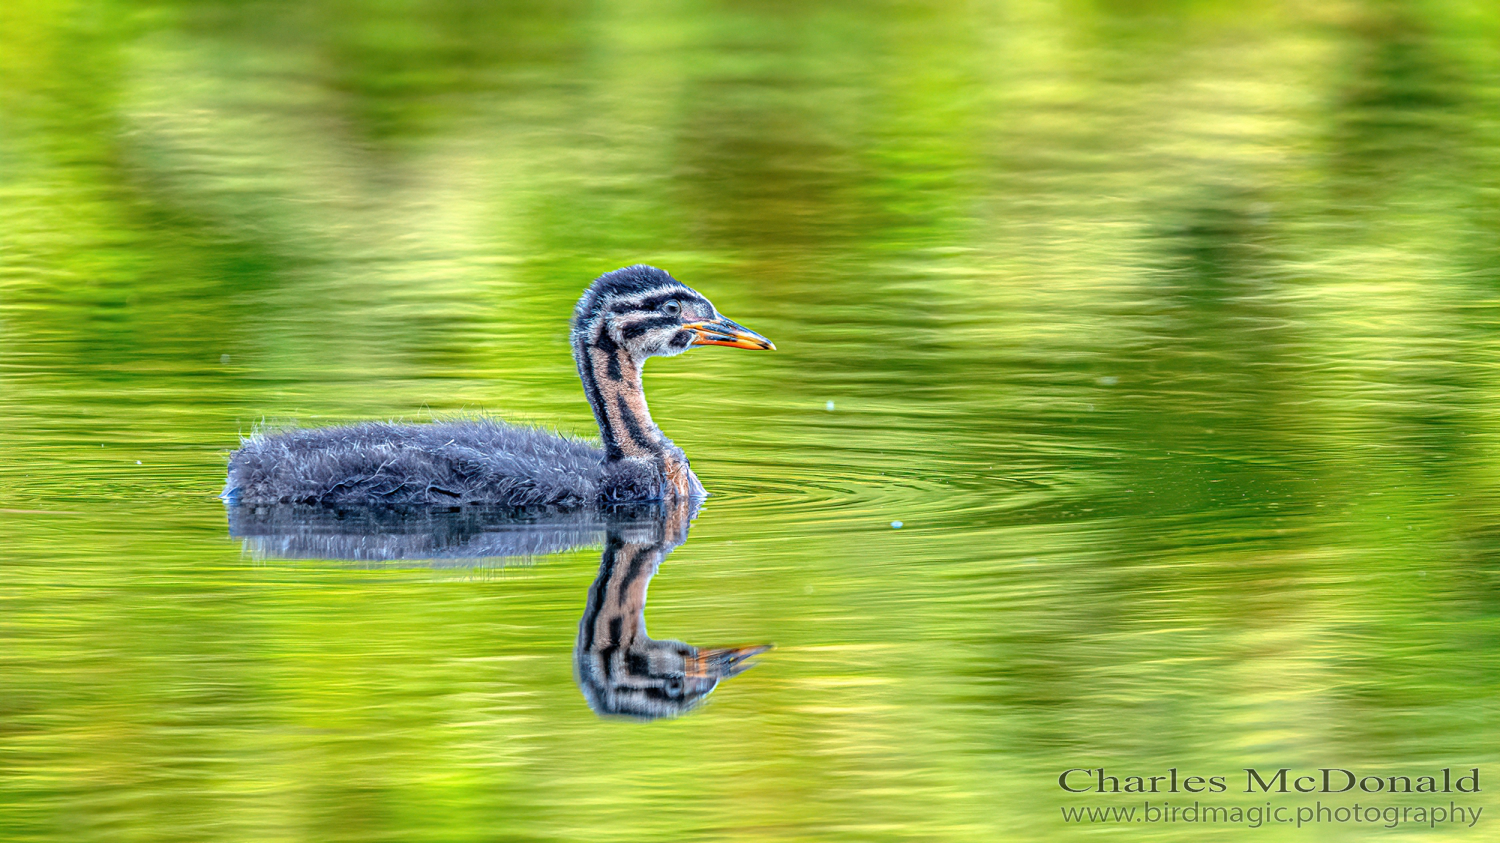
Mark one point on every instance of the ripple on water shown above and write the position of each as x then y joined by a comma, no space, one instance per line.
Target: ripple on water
854,488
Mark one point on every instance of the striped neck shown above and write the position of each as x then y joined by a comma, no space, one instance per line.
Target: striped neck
619,668
612,381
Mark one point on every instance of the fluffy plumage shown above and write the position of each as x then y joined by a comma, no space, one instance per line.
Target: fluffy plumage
622,319
446,463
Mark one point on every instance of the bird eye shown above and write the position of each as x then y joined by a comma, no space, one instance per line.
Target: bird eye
671,308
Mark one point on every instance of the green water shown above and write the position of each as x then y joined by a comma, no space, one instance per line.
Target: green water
1167,329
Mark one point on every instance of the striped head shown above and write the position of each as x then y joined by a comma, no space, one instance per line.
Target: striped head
647,313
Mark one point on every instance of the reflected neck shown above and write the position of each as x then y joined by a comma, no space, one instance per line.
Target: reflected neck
612,382
615,617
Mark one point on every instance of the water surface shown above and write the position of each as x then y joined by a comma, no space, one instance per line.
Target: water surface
1166,330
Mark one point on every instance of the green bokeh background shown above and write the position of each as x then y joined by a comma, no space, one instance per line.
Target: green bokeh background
1167,328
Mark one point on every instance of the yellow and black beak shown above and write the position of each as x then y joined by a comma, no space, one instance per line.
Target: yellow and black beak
716,662
722,331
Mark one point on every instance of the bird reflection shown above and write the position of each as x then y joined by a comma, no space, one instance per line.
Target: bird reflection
619,668
622,670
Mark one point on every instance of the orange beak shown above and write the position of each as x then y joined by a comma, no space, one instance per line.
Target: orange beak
714,662
722,331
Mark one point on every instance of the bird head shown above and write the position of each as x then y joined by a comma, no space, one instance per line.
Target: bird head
651,314
650,679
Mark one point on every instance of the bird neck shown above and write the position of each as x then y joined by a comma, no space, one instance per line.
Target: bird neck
613,656
615,617
612,381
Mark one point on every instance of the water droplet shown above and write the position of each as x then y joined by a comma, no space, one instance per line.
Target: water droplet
828,406
895,525
1108,380
223,359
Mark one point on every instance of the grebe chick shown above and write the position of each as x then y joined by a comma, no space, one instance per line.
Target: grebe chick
623,318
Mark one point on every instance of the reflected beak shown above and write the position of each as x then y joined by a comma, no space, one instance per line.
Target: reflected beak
722,331
715,662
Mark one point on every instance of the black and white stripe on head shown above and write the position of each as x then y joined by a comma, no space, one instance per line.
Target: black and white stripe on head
641,308
630,284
